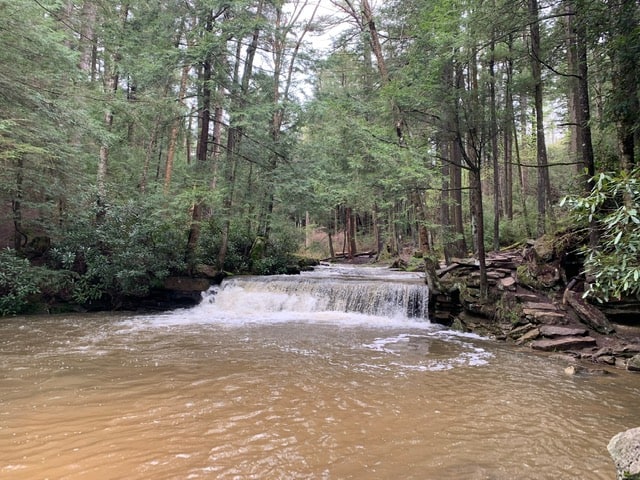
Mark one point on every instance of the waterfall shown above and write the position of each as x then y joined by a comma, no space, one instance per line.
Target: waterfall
369,291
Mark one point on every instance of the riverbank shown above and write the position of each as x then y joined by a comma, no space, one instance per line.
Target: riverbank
535,301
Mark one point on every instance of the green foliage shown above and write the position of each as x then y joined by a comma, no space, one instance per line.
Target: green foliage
243,256
239,245
613,208
18,282
133,248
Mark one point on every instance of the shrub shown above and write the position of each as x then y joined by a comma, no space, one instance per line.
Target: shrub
613,209
133,248
17,283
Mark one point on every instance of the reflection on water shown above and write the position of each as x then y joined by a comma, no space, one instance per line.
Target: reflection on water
195,394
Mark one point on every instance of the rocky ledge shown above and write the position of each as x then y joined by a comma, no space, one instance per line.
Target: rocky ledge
532,303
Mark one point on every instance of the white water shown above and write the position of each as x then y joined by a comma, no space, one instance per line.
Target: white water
372,292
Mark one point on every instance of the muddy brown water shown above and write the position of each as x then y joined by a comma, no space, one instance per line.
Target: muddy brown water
236,389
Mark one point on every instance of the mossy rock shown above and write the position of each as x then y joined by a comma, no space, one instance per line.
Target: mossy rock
527,278
545,248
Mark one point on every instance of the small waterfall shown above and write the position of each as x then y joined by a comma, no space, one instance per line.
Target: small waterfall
369,291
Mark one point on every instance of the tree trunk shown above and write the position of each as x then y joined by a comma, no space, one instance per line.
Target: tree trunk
19,237
377,230
175,130
350,233
235,134
477,212
202,148
151,146
573,99
445,202
508,135
87,39
626,105
493,131
110,87
544,184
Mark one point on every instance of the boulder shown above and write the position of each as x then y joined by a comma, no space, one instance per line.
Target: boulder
624,448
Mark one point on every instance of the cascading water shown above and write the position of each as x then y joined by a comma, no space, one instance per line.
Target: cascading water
367,291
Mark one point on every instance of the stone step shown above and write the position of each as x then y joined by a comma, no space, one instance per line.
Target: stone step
526,297
540,306
563,344
544,316
530,335
507,283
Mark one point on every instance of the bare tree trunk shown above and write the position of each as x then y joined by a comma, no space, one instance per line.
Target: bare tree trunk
87,39
508,135
460,245
445,201
477,213
175,130
625,79
19,237
110,87
497,210
573,99
544,183
234,136
350,233
279,46
147,158
202,148
377,230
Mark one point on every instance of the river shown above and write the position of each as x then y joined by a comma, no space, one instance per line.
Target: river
270,379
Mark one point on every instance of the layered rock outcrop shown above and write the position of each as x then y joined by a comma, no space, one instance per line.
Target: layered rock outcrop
533,303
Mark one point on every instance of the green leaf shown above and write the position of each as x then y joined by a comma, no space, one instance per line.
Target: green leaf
618,237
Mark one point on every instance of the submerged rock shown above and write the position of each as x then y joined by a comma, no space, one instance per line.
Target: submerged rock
633,363
624,448
580,370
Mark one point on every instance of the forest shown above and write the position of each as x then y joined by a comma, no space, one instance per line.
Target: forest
140,139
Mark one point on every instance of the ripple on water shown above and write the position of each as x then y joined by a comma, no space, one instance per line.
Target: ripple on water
294,399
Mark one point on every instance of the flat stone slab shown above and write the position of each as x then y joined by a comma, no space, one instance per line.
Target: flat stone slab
563,343
508,283
627,350
525,297
540,306
551,331
530,335
544,316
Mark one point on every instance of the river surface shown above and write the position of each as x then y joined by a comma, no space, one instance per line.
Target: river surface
264,383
